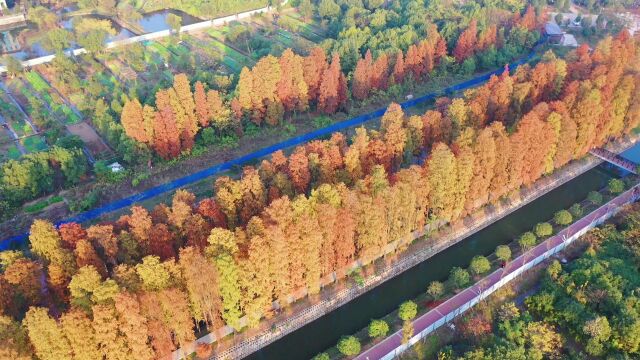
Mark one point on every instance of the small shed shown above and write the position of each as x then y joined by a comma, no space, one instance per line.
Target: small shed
115,167
553,32
569,40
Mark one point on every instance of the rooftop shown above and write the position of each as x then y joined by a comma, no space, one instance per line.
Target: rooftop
551,28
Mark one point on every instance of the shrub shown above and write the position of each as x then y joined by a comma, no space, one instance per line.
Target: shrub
203,350
349,345
527,240
459,277
554,269
508,311
408,310
87,202
322,356
479,265
70,142
503,252
139,178
378,328
563,217
435,290
208,136
544,229
576,210
595,197
407,331
615,186
322,121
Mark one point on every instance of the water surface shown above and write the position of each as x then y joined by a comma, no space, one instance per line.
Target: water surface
324,332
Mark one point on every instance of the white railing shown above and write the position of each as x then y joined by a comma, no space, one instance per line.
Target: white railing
151,36
499,278
253,343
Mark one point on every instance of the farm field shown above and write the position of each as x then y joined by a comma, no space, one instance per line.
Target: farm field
34,143
72,100
219,36
265,29
33,106
52,98
8,149
209,56
13,116
310,32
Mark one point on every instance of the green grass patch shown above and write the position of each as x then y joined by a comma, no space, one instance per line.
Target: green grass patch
219,42
41,205
13,153
237,58
306,30
37,81
34,144
159,49
55,102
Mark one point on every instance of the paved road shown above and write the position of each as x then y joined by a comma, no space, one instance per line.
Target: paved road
220,168
436,317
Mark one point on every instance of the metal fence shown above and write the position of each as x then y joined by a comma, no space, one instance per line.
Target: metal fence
457,305
225,166
448,238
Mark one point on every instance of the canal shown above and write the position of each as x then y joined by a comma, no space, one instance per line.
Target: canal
324,332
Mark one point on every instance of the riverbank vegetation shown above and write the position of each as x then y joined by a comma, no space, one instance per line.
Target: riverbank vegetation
476,324
169,121
220,105
584,309
39,174
294,220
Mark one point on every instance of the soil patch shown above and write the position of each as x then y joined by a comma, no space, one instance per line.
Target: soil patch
90,137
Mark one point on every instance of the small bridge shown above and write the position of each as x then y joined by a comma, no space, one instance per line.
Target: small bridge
615,159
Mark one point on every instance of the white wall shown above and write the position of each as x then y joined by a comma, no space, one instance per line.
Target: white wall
153,35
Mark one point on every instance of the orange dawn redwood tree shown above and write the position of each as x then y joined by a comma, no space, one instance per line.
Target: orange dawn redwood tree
140,284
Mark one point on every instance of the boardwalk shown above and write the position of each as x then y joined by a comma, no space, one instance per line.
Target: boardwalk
615,159
392,346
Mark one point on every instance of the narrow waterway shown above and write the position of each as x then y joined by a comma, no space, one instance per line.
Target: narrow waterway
327,330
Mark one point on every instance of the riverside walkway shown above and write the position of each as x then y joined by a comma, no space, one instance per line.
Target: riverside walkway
93,214
246,343
392,346
615,159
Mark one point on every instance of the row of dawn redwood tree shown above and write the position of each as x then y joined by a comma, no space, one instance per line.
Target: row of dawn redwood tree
138,286
293,83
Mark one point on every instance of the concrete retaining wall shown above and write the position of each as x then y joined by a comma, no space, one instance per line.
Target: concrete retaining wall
499,278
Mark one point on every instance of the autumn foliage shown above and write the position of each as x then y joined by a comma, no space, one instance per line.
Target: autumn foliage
279,87
139,285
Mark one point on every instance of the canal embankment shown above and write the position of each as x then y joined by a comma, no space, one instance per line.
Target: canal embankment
304,318
455,306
